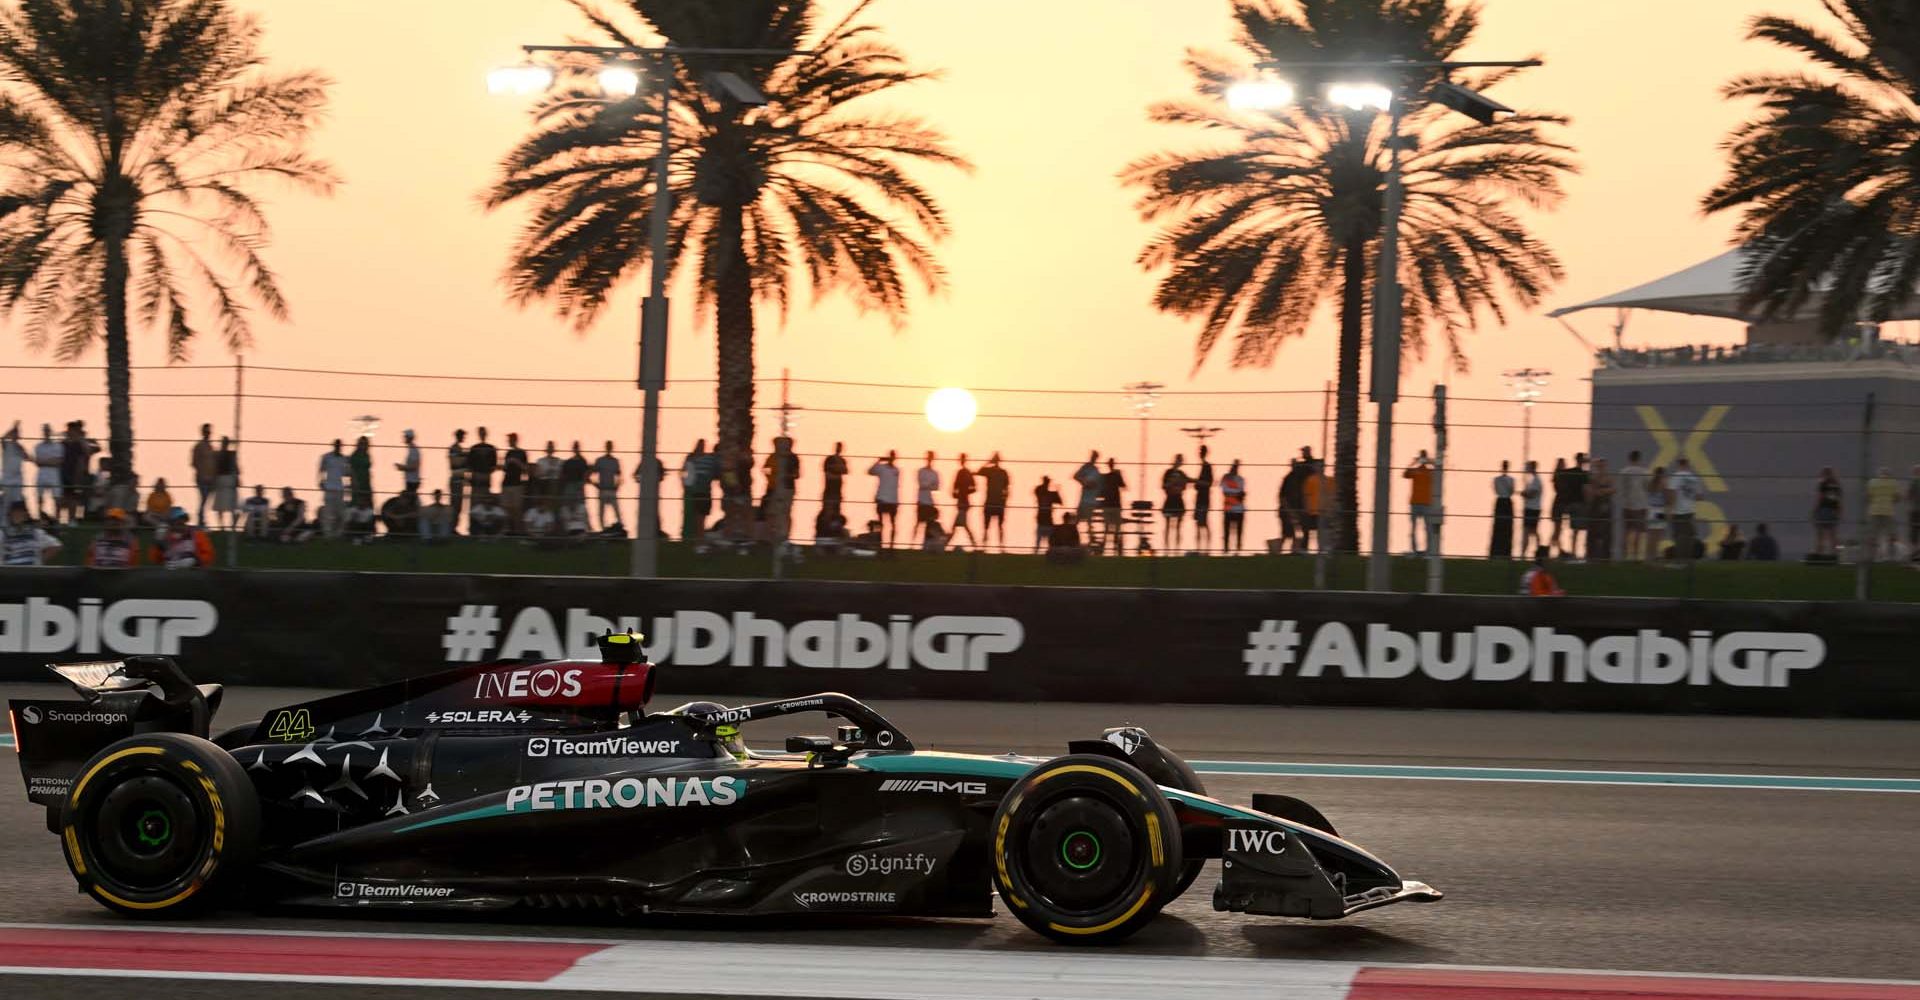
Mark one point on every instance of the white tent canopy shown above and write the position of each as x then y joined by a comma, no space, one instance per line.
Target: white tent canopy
1709,288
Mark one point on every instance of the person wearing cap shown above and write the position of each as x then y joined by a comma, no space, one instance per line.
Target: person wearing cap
410,468
114,547
182,545
22,542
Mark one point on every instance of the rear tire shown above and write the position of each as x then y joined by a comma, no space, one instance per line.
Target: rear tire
1086,849
160,825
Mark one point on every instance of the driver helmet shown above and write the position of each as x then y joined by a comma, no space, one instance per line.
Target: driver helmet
726,734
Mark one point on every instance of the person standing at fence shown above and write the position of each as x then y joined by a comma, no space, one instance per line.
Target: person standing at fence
1883,497
783,476
457,459
1113,486
513,482
1314,494
1601,490
482,459
226,484
1687,491
1045,499
409,466
1501,545
994,511
1419,502
76,469
699,470
1173,486
360,474
886,494
1530,494
606,487
48,455
833,473
1091,481
1233,509
1203,503
13,466
203,470
573,487
927,485
1633,507
963,490
1659,501
1557,509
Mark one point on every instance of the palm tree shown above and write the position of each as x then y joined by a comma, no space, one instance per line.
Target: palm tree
1825,176
1259,230
130,133
806,182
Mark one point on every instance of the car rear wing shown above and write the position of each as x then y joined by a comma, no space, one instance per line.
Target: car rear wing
53,737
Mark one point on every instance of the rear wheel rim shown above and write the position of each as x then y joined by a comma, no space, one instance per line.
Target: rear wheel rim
145,833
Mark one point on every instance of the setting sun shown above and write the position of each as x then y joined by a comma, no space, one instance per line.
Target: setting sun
951,409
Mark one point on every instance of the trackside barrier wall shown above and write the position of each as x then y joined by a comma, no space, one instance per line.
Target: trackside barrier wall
994,643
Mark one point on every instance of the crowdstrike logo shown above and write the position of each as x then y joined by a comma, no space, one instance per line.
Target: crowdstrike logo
131,627
961,643
1543,655
809,900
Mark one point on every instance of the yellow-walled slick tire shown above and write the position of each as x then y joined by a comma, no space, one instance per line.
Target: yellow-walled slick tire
160,825
1086,849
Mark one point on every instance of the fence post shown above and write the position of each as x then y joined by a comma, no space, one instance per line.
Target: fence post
1436,565
239,393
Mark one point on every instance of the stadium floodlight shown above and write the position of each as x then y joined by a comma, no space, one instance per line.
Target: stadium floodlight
619,80
1259,95
1471,103
735,87
520,78
1360,96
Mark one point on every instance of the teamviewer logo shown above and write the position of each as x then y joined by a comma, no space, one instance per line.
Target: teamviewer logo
344,890
537,747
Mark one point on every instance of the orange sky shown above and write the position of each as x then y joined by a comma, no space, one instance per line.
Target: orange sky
399,270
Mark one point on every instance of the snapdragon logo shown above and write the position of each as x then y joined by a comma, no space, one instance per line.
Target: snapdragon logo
1543,655
627,793
33,715
961,643
131,627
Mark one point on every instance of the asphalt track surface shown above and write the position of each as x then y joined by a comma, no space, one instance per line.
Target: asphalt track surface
1746,881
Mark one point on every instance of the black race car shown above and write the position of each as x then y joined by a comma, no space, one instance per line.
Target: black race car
550,785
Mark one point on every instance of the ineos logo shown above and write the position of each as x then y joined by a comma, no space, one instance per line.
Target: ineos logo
1257,841
543,682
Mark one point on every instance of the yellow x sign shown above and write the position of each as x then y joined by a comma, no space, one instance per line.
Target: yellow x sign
1694,448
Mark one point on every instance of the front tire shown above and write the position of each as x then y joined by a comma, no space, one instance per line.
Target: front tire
1086,849
160,825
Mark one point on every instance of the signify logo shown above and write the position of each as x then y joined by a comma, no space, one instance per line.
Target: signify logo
130,627
742,639
626,793
1502,653
875,863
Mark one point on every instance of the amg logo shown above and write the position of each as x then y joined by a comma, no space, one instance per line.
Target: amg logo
937,787
1257,841
403,890
809,900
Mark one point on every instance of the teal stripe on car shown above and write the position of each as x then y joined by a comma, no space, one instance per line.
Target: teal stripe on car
933,762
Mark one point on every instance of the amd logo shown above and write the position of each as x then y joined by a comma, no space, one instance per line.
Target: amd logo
936,787
1257,841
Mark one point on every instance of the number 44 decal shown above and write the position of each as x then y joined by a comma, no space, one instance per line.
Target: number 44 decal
291,727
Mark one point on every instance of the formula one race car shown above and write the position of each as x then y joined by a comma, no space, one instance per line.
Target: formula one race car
549,785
